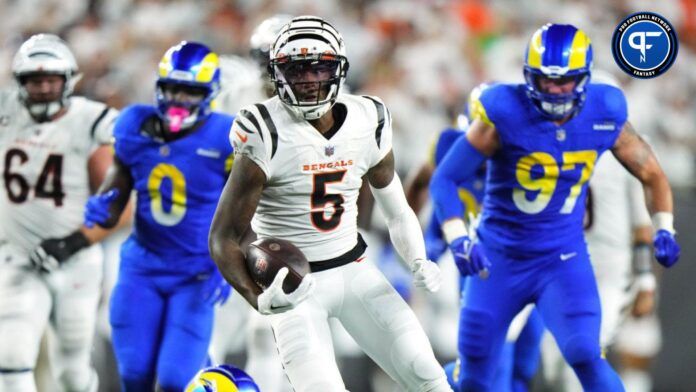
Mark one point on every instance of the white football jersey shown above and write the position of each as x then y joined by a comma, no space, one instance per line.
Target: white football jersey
615,207
312,182
241,84
45,182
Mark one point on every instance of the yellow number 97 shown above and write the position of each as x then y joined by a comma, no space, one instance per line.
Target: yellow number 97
545,185
178,201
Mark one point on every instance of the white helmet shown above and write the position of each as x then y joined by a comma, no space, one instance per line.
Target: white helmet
45,54
308,43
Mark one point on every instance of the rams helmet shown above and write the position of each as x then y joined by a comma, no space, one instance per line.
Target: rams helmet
192,67
563,53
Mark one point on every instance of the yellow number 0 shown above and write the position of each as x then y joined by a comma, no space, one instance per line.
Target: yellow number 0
178,202
546,184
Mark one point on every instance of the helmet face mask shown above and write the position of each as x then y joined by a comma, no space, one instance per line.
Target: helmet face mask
308,82
557,69
37,62
42,87
308,66
189,80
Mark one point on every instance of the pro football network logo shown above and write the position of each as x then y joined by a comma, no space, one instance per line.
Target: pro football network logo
645,45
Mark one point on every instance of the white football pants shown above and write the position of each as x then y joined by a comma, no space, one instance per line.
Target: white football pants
373,313
68,298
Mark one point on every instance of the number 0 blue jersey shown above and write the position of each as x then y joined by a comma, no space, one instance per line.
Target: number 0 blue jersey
537,180
178,183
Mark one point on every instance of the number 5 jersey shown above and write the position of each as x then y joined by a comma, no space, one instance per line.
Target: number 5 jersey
312,179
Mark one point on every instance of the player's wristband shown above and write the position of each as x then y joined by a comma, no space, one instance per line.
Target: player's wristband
75,242
663,221
642,258
453,229
646,282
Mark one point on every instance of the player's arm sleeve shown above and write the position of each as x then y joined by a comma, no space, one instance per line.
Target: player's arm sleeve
443,143
383,131
248,139
459,164
404,228
101,130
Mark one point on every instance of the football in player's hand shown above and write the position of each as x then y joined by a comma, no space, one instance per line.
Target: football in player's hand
268,255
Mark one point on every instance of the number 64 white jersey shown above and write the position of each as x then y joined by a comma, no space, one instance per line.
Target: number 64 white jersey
45,181
312,182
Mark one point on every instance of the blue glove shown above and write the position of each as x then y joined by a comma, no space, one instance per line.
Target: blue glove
97,208
468,256
216,290
667,250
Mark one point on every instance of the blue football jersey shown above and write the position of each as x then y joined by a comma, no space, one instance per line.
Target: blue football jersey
178,183
537,180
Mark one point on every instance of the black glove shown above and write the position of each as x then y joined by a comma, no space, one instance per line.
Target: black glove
53,252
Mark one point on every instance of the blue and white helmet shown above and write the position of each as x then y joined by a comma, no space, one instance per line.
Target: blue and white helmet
187,64
308,41
45,54
558,51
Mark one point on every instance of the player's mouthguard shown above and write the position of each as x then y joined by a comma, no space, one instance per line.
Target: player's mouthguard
176,116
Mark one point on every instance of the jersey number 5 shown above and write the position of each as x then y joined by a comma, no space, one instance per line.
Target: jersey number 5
51,174
320,199
545,185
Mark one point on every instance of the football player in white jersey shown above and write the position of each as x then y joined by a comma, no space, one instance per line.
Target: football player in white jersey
301,158
245,81
54,151
618,234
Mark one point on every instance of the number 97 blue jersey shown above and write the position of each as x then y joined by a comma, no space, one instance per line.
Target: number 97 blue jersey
537,179
178,183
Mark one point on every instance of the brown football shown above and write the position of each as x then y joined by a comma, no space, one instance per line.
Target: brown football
268,255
